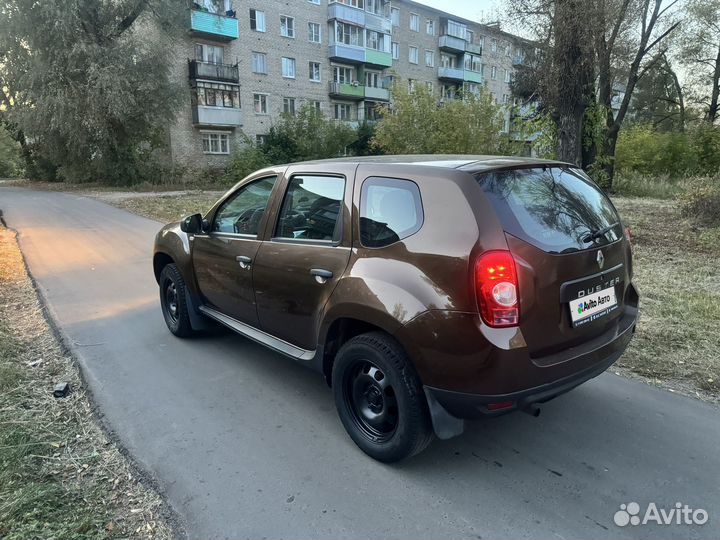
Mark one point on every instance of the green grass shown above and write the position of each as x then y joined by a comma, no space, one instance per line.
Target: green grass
169,208
641,185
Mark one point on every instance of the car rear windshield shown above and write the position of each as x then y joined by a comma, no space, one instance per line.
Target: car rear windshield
558,210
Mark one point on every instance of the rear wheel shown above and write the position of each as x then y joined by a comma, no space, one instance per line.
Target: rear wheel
379,398
173,301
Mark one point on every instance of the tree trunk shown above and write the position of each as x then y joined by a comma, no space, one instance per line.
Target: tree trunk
609,145
569,137
712,113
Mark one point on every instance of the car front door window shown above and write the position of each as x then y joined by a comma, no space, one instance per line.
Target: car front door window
311,209
243,212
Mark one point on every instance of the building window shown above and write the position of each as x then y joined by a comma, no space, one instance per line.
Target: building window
508,49
260,103
212,54
317,105
287,26
343,111
261,140
395,50
473,63
209,94
288,68
429,58
289,106
343,75
430,87
493,45
259,63
493,72
377,41
316,2
314,33
257,20
373,79
505,99
414,22
456,29
372,111
348,34
430,27
507,76
412,54
314,71
411,85
395,16
216,143
448,61
470,36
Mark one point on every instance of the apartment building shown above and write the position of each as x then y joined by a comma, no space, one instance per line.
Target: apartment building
248,61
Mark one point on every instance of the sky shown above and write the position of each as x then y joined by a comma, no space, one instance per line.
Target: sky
474,10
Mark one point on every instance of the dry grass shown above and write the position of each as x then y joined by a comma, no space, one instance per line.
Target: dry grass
166,208
60,476
677,343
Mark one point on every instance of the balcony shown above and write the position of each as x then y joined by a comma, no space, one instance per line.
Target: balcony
377,94
203,115
518,60
214,72
213,25
347,91
473,48
452,43
359,55
451,73
360,17
472,76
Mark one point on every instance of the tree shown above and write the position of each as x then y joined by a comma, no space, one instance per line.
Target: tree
85,83
307,135
418,124
700,52
660,98
10,158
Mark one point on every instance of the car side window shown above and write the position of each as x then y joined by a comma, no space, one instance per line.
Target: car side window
312,209
243,211
390,210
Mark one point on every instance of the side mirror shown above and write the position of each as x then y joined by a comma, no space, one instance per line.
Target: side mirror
192,224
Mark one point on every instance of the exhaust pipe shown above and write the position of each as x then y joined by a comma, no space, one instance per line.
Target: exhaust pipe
532,410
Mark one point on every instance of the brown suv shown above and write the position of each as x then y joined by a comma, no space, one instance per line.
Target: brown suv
426,289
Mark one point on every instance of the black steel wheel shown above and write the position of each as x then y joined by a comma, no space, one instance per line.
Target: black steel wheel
173,301
379,398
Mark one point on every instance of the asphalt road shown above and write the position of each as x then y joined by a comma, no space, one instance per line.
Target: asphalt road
245,443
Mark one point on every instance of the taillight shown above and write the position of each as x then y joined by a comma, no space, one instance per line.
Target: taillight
496,285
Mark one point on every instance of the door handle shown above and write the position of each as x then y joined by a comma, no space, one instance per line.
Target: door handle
321,275
244,261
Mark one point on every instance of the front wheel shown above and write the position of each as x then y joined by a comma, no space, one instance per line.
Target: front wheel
173,301
380,399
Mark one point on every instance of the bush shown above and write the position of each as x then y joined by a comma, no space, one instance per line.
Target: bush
657,186
701,200
245,161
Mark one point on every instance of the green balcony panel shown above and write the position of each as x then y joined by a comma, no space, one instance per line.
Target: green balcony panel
214,25
378,58
472,76
347,90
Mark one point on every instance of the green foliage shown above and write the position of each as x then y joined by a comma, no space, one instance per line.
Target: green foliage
247,160
701,200
363,145
307,135
415,124
10,159
530,124
89,84
644,150
655,186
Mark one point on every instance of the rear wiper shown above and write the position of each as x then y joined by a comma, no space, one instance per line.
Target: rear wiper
594,235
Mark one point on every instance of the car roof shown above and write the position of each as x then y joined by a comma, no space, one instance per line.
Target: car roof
467,163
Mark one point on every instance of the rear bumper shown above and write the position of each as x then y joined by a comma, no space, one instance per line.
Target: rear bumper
595,361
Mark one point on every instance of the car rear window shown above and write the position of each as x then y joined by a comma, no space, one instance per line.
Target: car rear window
558,210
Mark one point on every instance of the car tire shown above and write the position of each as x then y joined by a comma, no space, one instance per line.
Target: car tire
173,301
380,399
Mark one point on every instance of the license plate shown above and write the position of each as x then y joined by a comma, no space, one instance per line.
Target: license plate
592,306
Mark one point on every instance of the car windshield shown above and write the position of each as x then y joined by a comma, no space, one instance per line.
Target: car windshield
558,210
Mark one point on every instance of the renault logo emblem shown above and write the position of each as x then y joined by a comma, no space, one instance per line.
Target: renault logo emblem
600,259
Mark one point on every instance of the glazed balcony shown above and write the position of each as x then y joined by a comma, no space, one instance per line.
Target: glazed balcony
473,48
359,55
359,17
222,27
203,115
214,72
374,93
451,73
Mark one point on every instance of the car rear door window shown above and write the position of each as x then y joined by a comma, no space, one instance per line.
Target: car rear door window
312,209
390,210
559,210
243,211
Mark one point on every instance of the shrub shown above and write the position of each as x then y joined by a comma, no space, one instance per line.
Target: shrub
640,149
247,160
701,200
